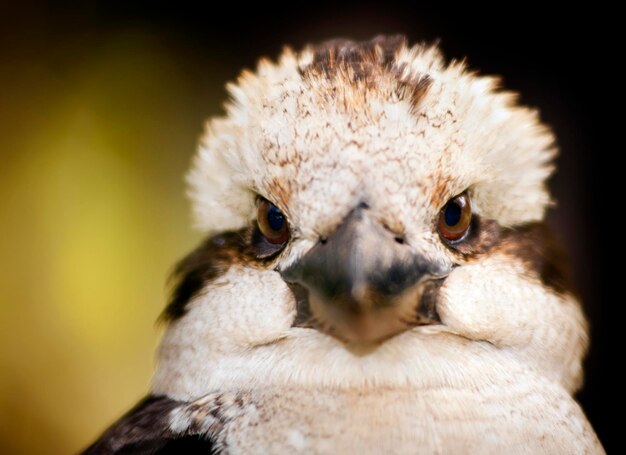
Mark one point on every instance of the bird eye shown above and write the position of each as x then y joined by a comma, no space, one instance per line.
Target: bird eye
272,223
455,218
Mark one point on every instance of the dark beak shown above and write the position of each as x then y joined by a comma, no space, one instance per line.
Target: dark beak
364,284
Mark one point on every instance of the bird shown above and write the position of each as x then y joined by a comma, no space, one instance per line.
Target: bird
377,275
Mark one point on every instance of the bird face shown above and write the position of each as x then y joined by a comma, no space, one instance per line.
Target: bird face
374,218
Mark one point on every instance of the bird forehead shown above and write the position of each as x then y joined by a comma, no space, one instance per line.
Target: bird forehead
389,126
320,155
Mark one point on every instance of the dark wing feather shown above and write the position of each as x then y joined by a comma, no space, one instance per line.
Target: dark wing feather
145,430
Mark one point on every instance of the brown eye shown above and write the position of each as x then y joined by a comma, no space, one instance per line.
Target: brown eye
272,223
455,218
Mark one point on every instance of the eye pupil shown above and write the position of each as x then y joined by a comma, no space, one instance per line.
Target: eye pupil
275,218
452,214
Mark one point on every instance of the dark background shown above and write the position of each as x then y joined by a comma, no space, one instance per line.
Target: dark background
548,57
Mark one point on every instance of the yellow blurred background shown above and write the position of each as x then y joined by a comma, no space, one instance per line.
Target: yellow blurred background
93,217
101,106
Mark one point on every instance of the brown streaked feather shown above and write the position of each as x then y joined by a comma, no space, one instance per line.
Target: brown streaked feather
538,248
364,62
208,261
484,237
364,59
533,244
415,90
211,259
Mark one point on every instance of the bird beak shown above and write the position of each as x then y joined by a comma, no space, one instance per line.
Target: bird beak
362,285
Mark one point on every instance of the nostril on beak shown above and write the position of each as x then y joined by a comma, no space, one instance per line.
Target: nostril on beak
397,237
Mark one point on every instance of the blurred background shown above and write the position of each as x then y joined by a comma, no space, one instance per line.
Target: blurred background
101,105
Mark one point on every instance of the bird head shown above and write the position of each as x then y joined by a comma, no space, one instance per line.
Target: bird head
373,215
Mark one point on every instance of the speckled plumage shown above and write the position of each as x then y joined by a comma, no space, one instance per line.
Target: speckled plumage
397,130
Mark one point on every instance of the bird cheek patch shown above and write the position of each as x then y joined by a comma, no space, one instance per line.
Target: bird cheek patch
264,311
504,270
486,301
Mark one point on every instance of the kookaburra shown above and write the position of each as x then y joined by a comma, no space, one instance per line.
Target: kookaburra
377,276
